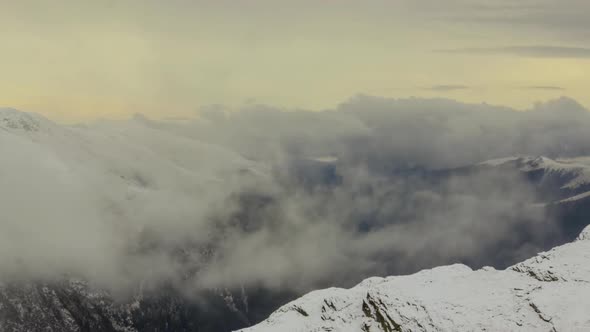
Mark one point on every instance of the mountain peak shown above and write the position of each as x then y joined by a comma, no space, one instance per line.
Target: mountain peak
548,292
13,119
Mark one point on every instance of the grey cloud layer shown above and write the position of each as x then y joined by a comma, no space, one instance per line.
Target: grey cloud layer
272,196
538,51
447,87
545,87
564,17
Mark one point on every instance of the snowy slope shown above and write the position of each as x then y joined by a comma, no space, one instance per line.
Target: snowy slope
574,171
14,120
550,292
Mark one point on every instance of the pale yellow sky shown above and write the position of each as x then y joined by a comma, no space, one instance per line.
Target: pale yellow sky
75,60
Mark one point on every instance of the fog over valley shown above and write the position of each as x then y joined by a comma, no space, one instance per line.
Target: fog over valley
373,187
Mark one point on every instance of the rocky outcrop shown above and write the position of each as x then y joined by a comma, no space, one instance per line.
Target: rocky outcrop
68,306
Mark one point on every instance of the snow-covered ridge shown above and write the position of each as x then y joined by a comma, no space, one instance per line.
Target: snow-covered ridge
11,119
577,169
549,292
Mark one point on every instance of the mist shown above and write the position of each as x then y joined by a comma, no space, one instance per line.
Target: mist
276,197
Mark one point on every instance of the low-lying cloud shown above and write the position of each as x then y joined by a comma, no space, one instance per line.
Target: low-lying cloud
281,198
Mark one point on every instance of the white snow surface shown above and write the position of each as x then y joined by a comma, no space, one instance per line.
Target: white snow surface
549,292
498,161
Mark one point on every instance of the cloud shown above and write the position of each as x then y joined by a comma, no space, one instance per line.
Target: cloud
447,87
545,87
567,19
372,226
274,197
538,51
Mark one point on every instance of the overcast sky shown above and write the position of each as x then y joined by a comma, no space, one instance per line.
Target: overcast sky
76,60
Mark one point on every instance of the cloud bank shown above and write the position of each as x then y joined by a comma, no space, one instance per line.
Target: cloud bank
280,198
565,19
447,87
536,51
545,87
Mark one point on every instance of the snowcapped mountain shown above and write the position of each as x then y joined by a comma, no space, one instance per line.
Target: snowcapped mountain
562,186
11,119
549,292
564,177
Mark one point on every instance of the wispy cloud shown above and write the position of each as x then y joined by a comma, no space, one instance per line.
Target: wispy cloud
544,87
535,51
567,19
447,87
